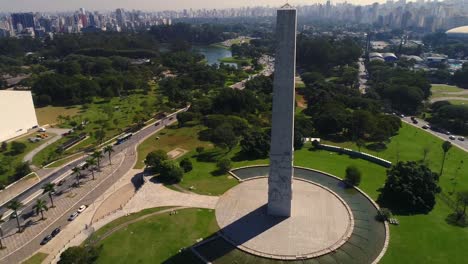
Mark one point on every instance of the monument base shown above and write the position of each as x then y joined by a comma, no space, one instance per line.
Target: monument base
320,221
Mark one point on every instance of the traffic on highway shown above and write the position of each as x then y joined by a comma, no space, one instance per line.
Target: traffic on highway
456,140
65,182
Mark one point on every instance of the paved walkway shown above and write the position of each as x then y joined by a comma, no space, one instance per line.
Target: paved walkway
437,99
156,195
57,131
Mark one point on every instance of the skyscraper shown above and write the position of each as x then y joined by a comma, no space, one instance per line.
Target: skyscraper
22,20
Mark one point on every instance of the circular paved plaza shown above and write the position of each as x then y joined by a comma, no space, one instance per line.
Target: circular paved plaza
319,224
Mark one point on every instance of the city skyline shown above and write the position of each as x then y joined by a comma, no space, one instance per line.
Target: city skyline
106,5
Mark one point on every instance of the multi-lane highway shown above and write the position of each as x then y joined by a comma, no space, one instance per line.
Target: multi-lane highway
461,144
125,152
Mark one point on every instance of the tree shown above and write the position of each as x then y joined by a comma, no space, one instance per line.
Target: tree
426,151
200,150
92,165
256,144
223,136
4,146
462,200
15,206
224,165
80,255
98,156
99,135
186,164
155,159
17,147
109,149
410,187
49,188
40,207
360,143
445,147
21,170
77,171
353,176
170,172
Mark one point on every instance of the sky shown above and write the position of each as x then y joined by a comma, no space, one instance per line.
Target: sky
147,5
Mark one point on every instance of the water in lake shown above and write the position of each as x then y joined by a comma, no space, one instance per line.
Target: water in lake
214,54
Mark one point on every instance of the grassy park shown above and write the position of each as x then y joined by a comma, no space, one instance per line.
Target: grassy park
442,242
109,115
10,159
157,238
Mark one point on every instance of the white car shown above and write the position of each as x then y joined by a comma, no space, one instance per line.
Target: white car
461,138
41,129
73,216
81,209
452,137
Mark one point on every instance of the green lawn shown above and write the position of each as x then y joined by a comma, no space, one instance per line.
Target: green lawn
9,160
418,238
37,258
438,89
157,238
169,139
114,115
49,115
236,60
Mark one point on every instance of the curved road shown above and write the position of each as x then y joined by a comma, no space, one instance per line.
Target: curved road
126,148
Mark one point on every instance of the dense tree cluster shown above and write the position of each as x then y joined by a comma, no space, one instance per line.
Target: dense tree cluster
403,90
450,117
80,78
321,54
411,187
200,34
460,77
339,110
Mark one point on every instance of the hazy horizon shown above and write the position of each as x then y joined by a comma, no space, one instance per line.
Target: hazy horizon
147,5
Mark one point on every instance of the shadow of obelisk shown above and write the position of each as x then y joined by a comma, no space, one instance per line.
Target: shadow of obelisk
282,133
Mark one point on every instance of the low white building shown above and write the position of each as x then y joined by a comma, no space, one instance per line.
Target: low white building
17,114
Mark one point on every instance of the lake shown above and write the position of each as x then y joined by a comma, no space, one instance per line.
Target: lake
214,54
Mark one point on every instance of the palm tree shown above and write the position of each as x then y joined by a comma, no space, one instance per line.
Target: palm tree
1,232
49,188
445,147
77,171
15,206
92,165
108,149
97,155
40,206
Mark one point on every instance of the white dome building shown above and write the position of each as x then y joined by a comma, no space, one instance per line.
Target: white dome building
459,32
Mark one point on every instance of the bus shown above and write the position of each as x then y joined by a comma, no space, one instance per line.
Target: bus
124,138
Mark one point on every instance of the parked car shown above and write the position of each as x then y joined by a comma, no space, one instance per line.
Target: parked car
415,121
452,137
157,123
41,129
73,216
447,132
46,239
55,232
425,127
461,138
81,209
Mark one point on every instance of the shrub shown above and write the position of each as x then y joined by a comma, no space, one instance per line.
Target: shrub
224,165
186,164
353,176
